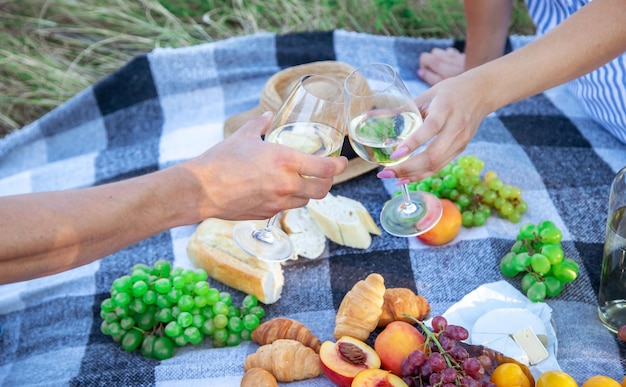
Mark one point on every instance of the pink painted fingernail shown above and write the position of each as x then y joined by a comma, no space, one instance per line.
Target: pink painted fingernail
420,73
267,114
403,181
400,152
386,174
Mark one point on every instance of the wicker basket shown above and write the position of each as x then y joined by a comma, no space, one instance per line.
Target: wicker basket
277,88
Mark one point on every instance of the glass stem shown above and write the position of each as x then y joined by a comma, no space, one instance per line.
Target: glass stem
270,223
408,207
265,235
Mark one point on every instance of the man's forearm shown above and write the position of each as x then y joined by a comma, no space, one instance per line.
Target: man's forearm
66,229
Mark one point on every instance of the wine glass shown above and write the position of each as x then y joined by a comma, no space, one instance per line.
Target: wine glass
311,120
380,114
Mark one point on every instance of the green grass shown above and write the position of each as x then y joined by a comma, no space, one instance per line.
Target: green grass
52,49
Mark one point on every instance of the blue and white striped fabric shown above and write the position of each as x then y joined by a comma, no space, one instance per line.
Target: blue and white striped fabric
171,104
601,92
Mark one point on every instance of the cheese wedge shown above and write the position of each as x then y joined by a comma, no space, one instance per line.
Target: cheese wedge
496,328
532,346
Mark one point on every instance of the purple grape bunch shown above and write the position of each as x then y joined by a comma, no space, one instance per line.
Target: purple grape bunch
445,360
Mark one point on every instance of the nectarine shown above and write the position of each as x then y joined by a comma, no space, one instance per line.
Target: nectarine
447,228
395,343
375,377
343,360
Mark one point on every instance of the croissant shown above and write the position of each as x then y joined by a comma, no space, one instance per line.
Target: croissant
361,308
285,328
401,301
258,377
286,359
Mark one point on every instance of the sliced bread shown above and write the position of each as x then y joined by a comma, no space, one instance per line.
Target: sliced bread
362,212
308,239
344,221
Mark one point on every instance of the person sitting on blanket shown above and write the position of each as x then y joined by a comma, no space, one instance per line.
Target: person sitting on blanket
455,106
239,178
602,92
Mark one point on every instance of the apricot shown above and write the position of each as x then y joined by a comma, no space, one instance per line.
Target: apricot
447,228
600,381
375,377
396,342
556,379
509,375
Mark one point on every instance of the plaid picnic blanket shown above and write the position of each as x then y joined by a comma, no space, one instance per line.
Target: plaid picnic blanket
171,104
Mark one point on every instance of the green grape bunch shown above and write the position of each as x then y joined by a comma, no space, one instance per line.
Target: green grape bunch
157,309
538,256
476,197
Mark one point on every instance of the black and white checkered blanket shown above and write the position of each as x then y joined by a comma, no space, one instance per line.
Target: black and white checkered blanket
170,105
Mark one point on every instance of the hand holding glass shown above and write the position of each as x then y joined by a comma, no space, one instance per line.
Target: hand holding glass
381,113
310,120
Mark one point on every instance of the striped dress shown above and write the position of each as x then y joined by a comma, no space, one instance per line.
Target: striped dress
601,92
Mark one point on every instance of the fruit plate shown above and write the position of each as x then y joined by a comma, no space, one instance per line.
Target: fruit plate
493,312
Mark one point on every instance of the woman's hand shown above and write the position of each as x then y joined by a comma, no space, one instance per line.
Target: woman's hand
440,64
453,110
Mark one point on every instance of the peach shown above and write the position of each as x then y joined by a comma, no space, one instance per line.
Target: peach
395,343
377,378
447,228
343,360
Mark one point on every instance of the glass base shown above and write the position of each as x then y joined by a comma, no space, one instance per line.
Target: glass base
411,219
613,315
268,245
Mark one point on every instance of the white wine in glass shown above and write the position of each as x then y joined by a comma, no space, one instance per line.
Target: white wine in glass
381,113
311,120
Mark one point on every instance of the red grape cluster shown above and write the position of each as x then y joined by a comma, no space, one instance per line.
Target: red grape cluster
445,361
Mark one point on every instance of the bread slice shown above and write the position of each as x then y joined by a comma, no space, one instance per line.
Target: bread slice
212,248
362,212
344,221
308,239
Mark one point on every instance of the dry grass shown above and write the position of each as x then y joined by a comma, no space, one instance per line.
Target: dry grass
52,49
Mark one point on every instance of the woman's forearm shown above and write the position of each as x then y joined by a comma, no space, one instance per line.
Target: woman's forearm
487,30
585,41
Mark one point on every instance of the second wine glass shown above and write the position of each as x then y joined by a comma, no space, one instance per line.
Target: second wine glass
310,120
381,113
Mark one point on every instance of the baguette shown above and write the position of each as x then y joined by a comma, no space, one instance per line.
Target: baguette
308,239
344,221
212,248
